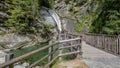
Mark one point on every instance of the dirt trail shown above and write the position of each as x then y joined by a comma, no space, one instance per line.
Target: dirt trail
77,63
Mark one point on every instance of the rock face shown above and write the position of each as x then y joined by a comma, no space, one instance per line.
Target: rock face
11,40
45,16
72,10
63,9
68,25
14,41
84,11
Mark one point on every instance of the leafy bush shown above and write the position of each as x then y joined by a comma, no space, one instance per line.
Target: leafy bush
66,1
107,21
46,32
71,7
2,44
22,14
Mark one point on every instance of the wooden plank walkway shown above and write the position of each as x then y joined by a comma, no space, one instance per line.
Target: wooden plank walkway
96,58
89,51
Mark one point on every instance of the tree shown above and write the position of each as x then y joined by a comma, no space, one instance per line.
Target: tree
107,20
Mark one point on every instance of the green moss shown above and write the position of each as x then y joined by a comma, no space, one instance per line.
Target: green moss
2,44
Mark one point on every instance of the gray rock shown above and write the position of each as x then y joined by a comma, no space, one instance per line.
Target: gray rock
2,57
19,66
25,64
12,39
4,15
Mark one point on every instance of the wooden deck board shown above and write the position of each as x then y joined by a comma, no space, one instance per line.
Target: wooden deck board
89,51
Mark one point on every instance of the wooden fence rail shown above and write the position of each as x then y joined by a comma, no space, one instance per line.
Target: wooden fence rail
108,43
59,43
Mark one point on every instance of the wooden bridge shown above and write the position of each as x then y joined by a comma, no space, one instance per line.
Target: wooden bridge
96,50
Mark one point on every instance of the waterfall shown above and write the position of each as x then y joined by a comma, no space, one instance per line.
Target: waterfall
49,16
56,19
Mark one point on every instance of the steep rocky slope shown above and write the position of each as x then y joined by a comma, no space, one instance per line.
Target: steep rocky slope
72,11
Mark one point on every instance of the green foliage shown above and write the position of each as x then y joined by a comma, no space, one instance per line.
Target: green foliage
2,44
103,17
83,24
107,20
23,13
66,1
112,25
79,26
71,7
46,32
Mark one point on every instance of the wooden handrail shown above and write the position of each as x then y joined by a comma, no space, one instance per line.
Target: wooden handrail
32,65
26,55
68,40
108,43
34,52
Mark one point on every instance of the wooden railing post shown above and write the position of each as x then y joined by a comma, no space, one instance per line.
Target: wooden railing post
9,57
71,44
118,45
50,51
79,55
11,66
103,40
60,47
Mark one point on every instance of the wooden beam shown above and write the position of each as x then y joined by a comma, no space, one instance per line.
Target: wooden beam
37,62
25,56
76,52
33,52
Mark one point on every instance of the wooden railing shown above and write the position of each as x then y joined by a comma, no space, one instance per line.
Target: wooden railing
73,43
108,43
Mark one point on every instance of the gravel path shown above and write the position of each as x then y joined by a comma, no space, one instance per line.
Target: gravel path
76,63
96,58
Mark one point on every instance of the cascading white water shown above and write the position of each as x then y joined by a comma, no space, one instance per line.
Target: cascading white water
49,16
56,19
